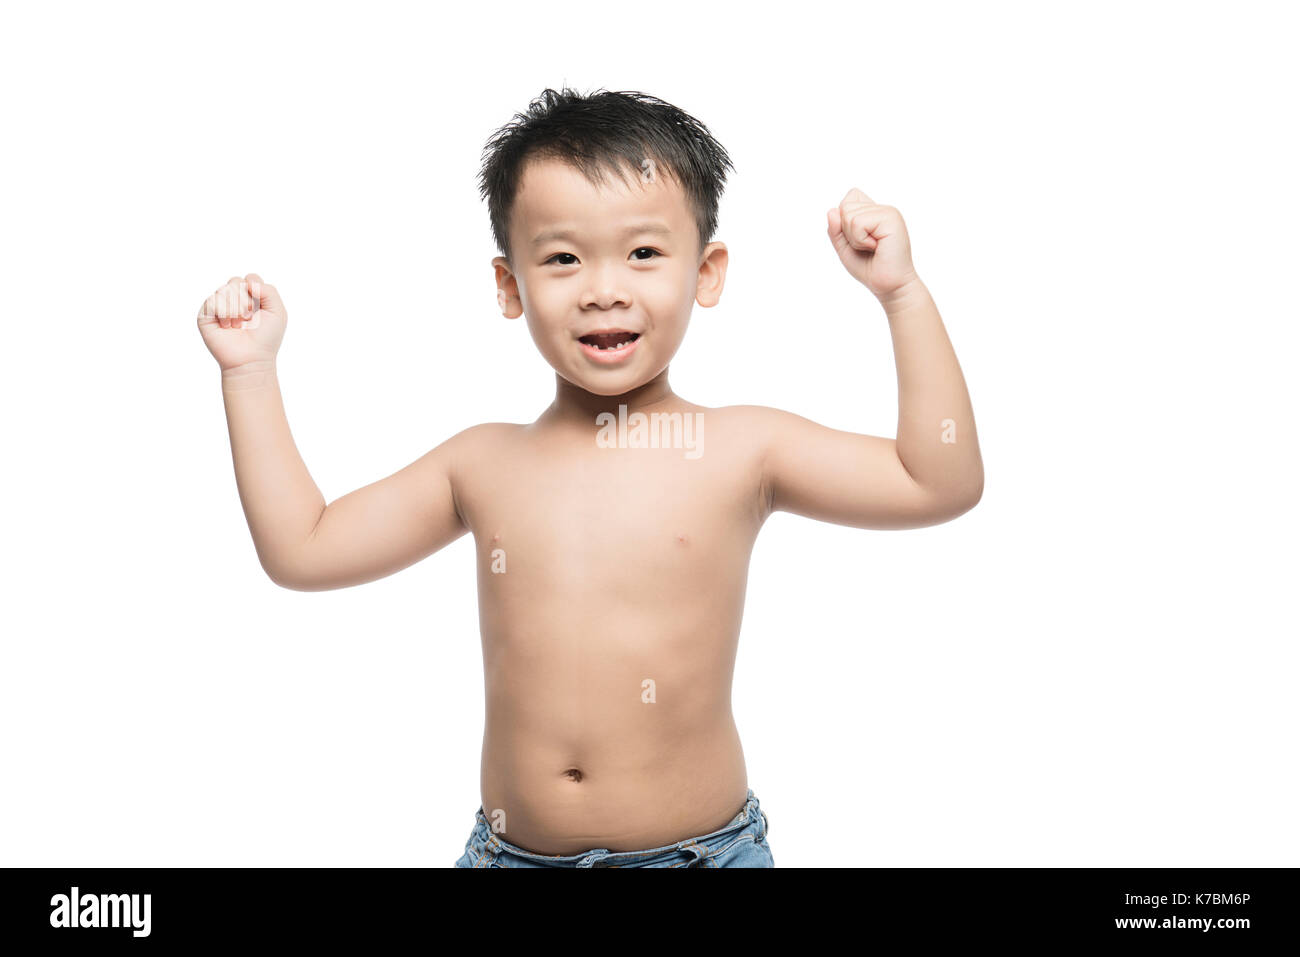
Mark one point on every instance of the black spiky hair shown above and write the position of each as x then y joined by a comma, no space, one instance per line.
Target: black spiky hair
604,133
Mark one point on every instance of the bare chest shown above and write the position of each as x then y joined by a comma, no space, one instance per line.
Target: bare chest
611,522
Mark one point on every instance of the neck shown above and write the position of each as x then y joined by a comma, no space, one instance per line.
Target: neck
575,404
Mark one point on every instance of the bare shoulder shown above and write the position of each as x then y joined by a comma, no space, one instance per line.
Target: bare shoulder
487,439
756,414
758,423
487,434
751,413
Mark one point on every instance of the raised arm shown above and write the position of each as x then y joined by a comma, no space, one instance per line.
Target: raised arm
932,472
844,477
301,542
369,533
378,529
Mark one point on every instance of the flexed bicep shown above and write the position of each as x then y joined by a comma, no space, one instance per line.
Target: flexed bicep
381,528
842,477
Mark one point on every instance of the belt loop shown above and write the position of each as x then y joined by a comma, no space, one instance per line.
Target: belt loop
698,850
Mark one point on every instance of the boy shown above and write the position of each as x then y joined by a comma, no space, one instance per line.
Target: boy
613,533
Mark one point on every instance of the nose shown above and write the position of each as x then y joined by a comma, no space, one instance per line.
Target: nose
603,291
605,299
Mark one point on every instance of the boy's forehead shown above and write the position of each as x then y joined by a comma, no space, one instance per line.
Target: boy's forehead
552,192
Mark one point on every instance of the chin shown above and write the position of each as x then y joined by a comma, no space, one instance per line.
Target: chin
607,388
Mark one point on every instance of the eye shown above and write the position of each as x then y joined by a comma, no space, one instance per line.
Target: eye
654,253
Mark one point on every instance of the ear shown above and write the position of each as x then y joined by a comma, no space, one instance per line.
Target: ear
713,273
508,300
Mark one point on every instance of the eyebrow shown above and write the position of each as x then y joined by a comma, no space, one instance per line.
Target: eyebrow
635,229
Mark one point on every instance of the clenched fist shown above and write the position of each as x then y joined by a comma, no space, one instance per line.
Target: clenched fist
872,242
243,322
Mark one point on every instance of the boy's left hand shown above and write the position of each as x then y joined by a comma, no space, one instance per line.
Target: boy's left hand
872,243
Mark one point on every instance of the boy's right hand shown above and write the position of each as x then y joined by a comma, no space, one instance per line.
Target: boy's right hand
243,322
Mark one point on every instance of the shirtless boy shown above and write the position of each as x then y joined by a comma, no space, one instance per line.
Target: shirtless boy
612,555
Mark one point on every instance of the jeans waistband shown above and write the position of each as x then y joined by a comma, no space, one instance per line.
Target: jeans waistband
749,813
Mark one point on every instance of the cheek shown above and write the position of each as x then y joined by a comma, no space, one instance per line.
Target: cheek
687,289
550,298
667,293
672,302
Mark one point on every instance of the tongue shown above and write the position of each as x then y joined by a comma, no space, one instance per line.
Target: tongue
608,339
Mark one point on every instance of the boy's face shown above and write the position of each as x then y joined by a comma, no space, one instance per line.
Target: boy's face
629,264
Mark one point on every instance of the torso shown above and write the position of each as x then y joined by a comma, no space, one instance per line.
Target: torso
609,638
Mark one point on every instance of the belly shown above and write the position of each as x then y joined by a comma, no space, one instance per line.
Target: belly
621,791
614,738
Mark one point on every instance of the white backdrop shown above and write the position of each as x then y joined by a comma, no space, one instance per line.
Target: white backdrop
1096,666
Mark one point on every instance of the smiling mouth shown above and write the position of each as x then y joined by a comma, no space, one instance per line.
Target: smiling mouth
609,341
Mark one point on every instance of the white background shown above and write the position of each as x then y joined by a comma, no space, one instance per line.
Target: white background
1096,666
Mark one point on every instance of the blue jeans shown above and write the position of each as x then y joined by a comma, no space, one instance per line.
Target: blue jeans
742,843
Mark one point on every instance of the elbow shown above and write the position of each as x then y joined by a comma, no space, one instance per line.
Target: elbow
279,576
296,580
295,569
304,575
296,584
970,497
970,500
957,504
286,575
